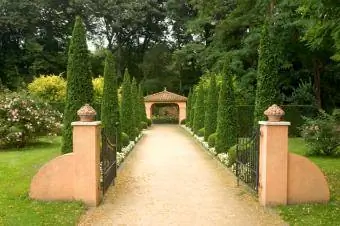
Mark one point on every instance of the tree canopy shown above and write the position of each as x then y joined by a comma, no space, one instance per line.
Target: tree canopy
173,43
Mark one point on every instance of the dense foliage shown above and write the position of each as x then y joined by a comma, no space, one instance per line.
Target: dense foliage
322,134
79,84
267,78
226,115
198,121
135,124
34,40
110,107
141,105
192,108
51,88
98,88
188,109
210,118
126,106
24,118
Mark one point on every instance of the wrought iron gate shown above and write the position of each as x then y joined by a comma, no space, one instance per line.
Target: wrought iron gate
247,159
108,161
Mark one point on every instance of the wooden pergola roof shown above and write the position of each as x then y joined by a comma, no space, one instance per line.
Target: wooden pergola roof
165,96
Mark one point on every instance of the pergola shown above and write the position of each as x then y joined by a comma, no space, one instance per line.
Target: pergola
166,97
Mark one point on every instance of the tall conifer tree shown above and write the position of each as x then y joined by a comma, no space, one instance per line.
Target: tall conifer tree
142,111
199,109
267,91
226,115
192,107
134,108
79,82
210,120
126,106
187,120
110,107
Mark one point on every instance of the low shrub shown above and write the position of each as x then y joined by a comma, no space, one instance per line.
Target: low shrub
212,140
125,139
143,125
183,122
164,120
322,134
232,155
149,121
23,119
136,132
200,132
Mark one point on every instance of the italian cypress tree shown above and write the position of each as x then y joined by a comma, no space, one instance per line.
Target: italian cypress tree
134,109
192,107
199,109
110,107
210,120
187,120
142,111
126,106
79,83
226,115
268,74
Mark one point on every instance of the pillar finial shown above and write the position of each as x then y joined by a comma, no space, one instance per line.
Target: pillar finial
165,89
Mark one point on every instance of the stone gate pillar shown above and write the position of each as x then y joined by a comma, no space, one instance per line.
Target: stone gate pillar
286,178
182,111
273,162
76,175
86,149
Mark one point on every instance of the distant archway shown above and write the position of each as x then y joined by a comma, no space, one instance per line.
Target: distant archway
166,98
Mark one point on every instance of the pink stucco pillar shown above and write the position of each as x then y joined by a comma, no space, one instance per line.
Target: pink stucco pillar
182,111
273,163
86,149
148,106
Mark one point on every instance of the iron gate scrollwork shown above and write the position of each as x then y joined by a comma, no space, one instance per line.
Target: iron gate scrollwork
108,160
247,159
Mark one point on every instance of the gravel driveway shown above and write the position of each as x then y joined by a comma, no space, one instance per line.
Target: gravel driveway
169,180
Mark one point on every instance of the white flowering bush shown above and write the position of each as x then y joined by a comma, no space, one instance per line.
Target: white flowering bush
127,149
22,119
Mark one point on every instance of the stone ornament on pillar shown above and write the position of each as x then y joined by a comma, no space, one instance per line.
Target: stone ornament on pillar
274,113
86,113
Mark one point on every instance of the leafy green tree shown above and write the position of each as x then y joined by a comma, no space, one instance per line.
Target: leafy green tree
267,90
210,119
110,107
226,115
79,82
126,114
199,109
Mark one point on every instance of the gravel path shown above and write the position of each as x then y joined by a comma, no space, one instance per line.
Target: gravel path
169,180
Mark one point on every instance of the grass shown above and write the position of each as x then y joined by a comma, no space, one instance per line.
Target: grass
17,167
316,214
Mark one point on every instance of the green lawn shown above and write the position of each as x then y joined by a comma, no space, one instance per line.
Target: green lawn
316,214
16,171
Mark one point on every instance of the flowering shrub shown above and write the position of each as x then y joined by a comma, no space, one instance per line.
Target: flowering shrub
322,134
98,87
51,88
22,119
